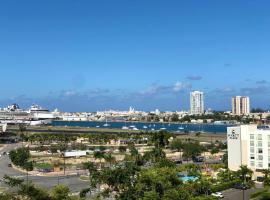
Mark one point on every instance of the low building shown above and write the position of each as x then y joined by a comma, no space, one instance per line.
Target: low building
249,145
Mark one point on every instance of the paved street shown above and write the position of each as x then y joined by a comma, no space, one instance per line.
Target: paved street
73,182
234,194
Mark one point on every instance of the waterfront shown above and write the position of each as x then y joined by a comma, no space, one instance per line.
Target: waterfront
173,127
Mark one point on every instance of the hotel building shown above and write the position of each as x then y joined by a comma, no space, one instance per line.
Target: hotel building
196,103
249,145
240,105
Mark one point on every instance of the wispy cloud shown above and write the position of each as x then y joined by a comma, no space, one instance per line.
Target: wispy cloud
156,89
194,78
261,82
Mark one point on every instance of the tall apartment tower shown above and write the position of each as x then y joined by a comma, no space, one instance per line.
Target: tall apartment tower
196,103
240,105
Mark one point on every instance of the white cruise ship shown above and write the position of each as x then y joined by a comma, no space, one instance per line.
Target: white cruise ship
36,115
40,116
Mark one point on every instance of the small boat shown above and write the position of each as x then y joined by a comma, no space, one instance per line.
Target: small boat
152,129
97,126
135,129
145,127
106,124
162,128
181,128
132,126
125,128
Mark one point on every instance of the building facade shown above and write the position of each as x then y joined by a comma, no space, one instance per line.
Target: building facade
240,105
249,145
196,103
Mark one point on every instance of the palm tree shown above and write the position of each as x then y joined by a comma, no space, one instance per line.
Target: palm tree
99,155
244,174
266,173
109,158
178,145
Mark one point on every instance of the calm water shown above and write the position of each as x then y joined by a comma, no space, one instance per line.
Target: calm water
211,128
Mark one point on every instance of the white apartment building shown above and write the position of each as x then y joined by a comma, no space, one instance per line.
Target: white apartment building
196,103
249,145
240,105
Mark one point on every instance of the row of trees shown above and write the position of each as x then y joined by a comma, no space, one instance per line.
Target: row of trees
28,191
20,157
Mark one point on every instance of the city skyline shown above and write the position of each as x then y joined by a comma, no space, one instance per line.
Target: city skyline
88,56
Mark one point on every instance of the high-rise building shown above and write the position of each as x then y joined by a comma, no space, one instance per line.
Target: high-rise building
240,105
196,103
249,145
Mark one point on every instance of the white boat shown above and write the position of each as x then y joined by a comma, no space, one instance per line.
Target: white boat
106,124
145,127
181,128
132,126
152,129
135,129
125,128
97,126
163,129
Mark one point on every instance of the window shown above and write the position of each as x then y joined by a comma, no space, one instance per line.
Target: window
252,136
259,137
259,143
252,150
268,137
260,165
252,157
252,143
260,157
252,163
260,151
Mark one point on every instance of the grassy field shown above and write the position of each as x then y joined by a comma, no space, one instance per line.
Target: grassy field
203,137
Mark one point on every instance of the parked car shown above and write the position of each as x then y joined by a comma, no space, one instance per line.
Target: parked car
9,165
198,159
178,162
241,186
218,195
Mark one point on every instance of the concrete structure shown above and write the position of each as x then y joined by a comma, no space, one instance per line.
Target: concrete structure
75,153
249,145
196,103
3,128
240,105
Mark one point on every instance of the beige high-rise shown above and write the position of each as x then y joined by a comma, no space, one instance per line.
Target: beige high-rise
240,105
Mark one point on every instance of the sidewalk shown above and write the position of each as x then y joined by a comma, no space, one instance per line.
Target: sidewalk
51,174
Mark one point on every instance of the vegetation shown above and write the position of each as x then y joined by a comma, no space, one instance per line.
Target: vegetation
20,157
148,175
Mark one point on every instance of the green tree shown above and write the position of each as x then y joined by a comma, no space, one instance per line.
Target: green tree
178,145
161,138
60,192
245,174
99,156
266,180
109,158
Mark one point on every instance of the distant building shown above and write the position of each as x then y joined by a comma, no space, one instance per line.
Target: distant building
196,103
249,145
240,105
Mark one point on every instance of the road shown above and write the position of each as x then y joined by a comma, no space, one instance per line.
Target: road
74,183
234,194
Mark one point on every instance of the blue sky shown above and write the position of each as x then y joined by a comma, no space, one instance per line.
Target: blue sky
95,55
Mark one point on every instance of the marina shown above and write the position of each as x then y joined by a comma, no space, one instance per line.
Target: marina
144,126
